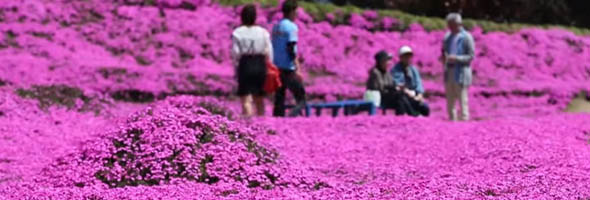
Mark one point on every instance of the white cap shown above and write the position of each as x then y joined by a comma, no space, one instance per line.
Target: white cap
405,50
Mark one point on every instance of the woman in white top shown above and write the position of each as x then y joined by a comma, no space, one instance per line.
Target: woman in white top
251,49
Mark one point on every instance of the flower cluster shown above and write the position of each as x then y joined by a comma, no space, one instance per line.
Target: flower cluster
61,59
176,139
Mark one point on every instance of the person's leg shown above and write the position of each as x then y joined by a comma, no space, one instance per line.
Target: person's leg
387,101
421,107
405,106
298,90
451,100
279,107
246,101
425,109
413,108
259,102
392,99
401,105
259,79
464,98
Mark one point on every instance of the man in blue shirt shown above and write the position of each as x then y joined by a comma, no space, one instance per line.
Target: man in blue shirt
409,86
284,41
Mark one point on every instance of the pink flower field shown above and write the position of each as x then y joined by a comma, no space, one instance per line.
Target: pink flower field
133,99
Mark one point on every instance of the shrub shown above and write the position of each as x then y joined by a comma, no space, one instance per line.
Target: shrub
175,140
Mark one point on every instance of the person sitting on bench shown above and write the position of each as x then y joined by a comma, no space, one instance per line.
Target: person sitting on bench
408,84
380,87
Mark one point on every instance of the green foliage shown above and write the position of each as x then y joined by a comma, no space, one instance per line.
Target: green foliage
216,109
59,95
229,192
242,2
320,185
318,12
107,72
205,177
134,96
9,40
143,61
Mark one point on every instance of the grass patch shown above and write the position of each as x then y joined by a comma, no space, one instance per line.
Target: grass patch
134,96
9,40
318,12
107,72
60,95
143,61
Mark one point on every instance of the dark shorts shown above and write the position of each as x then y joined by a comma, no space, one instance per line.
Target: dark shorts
251,75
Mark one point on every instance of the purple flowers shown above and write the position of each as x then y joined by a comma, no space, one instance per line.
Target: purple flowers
86,110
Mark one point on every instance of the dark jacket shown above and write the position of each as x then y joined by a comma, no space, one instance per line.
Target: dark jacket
379,80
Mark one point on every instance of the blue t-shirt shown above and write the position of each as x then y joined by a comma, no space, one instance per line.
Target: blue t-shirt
284,33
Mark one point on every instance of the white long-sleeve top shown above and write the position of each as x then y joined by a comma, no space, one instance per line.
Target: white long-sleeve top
250,40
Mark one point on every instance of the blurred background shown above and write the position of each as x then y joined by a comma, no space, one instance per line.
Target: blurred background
562,12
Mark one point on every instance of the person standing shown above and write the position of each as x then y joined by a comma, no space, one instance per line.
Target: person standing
408,83
251,48
458,52
284,40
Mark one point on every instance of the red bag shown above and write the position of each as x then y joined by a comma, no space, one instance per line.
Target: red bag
273,78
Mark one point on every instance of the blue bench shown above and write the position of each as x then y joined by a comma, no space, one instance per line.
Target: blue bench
349,107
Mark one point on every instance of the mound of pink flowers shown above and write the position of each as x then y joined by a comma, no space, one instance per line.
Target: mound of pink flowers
318,158
179,139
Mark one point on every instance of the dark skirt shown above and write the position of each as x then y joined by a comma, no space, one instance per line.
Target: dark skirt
251,75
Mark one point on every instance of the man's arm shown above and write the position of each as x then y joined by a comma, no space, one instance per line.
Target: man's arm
292,50
443,53
419,87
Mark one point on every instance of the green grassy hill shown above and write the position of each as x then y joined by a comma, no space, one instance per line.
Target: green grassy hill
319,11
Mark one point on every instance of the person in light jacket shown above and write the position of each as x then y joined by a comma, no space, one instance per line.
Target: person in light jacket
408,85
458,52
